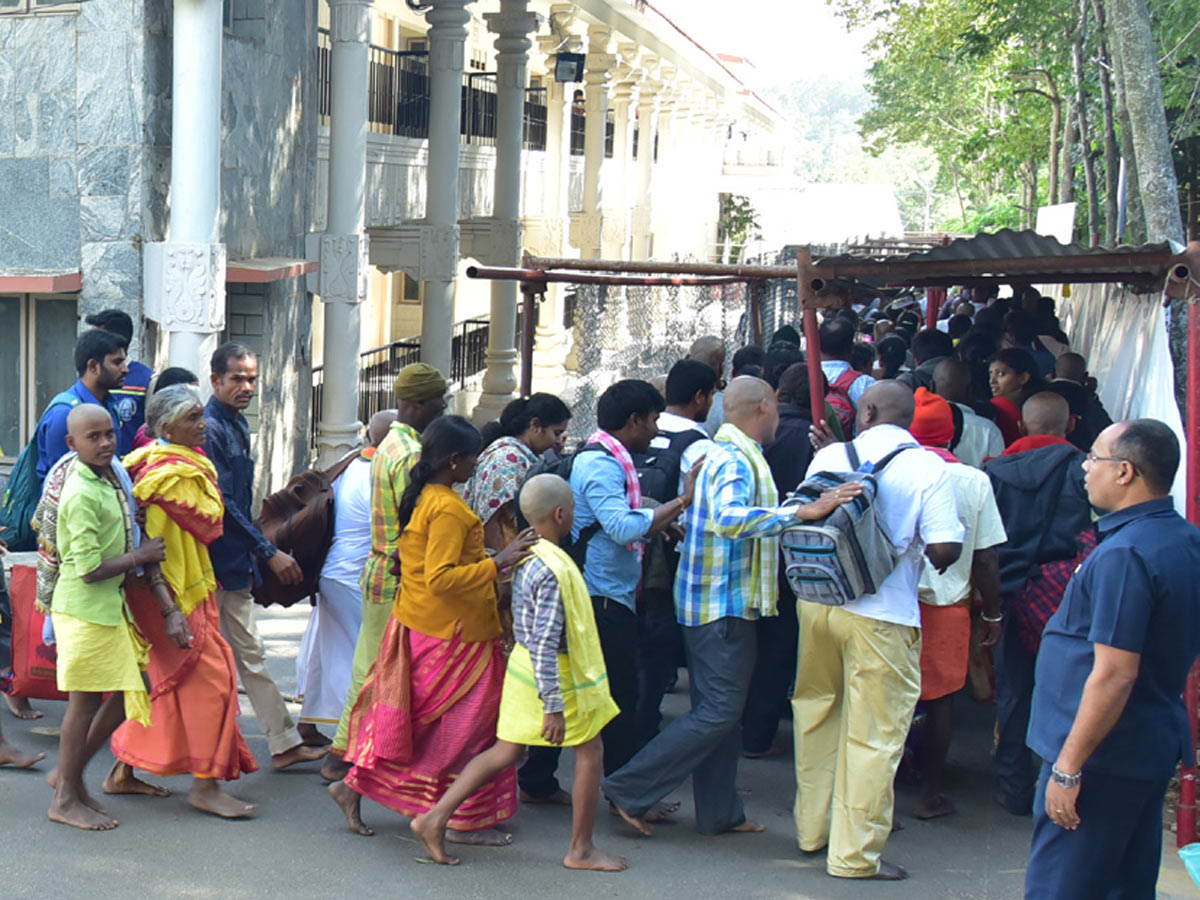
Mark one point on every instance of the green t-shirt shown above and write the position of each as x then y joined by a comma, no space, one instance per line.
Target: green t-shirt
91,529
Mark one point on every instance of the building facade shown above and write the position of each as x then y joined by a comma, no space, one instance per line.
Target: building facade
315,184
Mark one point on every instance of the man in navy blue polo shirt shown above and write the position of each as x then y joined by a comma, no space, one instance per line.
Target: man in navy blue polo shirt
1107,716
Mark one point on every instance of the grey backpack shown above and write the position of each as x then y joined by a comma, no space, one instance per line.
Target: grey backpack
846,554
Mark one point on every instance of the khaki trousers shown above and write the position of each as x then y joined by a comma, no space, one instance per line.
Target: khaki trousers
370,635
240,629
857,683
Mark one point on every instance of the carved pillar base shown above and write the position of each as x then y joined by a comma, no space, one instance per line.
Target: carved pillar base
185,295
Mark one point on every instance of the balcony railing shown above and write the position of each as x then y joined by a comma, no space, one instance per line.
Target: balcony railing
398,97
379,366
610,130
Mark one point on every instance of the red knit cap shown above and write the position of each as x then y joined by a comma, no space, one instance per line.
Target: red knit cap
933,423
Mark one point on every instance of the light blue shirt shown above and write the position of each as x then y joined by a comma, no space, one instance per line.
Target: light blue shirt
835,367
610,568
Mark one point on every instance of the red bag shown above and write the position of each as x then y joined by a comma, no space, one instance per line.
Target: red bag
35,665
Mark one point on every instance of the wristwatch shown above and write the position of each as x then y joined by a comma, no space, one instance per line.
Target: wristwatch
1062,779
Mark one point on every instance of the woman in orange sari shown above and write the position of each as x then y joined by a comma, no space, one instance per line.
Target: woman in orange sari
193,694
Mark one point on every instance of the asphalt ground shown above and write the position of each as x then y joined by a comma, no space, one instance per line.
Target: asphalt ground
298,846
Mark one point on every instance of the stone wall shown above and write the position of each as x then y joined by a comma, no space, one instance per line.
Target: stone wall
72,149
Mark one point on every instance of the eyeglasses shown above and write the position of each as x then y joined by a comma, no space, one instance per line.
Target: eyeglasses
1093,458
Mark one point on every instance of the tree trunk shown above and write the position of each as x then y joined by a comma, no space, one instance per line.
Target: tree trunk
1111,160
1066,163
1135,223
1089,165
1134,44
1055,137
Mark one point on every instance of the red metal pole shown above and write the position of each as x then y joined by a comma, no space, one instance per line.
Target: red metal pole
1185,821
807,294
934,298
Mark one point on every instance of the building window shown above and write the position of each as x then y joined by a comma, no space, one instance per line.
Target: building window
36,366
33,7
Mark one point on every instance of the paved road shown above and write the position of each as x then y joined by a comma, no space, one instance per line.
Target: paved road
297,847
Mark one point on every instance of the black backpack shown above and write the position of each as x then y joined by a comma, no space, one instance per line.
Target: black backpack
561,464
659,468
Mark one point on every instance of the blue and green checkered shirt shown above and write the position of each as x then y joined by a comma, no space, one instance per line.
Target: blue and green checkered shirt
716,555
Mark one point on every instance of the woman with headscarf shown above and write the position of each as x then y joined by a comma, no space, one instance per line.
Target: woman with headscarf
193,696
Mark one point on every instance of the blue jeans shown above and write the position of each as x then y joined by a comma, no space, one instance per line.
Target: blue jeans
704,743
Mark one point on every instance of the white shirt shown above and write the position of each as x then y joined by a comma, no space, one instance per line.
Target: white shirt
981,521
716,415
351,524
981,438
669,424
914,507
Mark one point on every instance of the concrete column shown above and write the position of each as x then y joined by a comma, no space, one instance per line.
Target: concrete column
185,275
342,278
447,37
548,348
598,67
647,114
512,26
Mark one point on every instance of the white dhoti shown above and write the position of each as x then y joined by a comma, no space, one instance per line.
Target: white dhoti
326,656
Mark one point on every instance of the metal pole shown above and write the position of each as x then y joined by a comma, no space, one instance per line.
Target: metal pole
502,273
934,298
1185,816
756,316
807,295
529,290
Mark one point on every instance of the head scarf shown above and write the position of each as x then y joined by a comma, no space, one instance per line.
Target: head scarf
419,382
933,422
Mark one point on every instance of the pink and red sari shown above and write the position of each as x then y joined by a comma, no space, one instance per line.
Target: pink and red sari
427,708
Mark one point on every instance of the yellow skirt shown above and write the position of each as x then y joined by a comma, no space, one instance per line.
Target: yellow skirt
99,659
521,708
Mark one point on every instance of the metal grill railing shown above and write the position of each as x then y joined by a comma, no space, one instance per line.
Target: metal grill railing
578,130
534,132
610,131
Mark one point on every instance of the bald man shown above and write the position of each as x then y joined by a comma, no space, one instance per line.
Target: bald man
979,438
1038,483
325,663
725,584
859,673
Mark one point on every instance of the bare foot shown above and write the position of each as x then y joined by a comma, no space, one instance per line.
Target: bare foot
596,860
312,737
216,801
298,754
661,812
934,808
487,837
79,815
748,827
558,798
11,756
121,780
19,707
639,824
434,839
349,800
85,798
335,768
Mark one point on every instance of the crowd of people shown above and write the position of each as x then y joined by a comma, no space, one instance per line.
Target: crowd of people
491,596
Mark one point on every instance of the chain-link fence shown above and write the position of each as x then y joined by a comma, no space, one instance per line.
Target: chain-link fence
638,331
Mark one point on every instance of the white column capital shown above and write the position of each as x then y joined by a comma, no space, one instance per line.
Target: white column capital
344,268
350,21
439,252
185,286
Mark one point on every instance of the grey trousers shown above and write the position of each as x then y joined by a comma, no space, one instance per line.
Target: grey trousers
706,742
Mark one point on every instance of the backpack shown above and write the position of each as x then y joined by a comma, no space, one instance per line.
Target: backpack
846,554
299,521
838,397
659,468
561,464
24,488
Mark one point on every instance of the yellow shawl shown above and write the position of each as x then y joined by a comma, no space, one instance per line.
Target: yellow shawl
178,487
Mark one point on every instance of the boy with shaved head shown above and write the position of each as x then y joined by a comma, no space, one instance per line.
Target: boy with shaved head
99,650
556,686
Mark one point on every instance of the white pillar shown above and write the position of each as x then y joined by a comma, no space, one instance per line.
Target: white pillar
598,67
447,37
647,116
344,246
512,26
185,275
616,205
